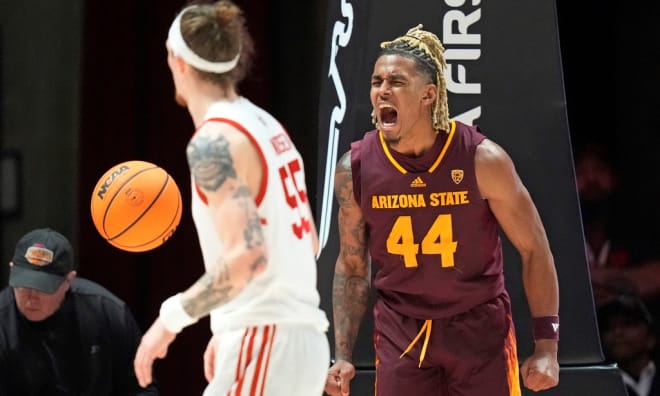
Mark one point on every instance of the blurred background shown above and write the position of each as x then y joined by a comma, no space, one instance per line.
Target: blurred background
85,85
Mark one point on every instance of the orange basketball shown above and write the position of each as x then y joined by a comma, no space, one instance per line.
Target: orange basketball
136,206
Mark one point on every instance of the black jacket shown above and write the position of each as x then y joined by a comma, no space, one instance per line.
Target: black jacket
655,387
91,340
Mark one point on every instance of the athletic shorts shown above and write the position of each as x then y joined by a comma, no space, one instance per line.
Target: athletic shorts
469,354
271,360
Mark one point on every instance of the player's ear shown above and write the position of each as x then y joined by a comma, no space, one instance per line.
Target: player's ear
175,62
430,93
180,64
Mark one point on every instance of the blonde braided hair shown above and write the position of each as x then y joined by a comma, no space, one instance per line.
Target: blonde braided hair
426,49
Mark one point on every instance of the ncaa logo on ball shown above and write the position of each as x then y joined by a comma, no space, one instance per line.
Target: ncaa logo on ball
108,182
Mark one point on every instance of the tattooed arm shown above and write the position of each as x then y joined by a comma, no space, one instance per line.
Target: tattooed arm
352,282
221,161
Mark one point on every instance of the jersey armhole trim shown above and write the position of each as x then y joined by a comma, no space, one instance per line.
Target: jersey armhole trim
262,158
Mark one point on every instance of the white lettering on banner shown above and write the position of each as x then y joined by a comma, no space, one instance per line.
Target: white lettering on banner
468,117
455,26
341,35
458,3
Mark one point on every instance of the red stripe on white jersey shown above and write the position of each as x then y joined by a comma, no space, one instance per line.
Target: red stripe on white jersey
253,359
258,374
270,348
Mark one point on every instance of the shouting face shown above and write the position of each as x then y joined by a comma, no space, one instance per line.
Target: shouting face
401,97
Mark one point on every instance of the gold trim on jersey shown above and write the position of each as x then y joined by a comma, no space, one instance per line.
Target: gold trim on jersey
386,149
389,155
452,130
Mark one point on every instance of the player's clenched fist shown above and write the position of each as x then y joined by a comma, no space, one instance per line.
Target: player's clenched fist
339,378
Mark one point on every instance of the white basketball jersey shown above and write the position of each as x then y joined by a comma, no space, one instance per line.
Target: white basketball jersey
286,291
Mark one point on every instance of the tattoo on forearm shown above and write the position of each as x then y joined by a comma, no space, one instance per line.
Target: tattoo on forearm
350,300
215,289
344,188
209,291
353,237
210,161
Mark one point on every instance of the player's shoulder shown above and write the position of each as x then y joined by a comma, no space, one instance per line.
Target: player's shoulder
493,166
223,137
344,163
357,148
216,126
490,151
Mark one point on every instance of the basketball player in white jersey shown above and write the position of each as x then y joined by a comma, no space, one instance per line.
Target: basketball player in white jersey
254,222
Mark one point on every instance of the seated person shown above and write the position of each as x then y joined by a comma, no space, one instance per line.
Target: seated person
59,334
620,261
629,340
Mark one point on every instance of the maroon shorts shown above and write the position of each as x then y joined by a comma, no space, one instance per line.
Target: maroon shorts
469,354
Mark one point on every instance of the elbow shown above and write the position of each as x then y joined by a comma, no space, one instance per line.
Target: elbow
258,261
353,265
247,264
260,264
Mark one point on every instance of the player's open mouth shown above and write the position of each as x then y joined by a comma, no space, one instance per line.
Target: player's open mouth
388,115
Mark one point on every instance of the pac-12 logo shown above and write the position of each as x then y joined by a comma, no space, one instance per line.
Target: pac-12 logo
457,175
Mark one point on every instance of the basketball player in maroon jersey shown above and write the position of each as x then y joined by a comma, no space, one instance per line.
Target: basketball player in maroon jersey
423,198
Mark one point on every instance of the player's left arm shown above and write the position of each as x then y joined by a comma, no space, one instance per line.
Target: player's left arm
518,217
516,213
221,161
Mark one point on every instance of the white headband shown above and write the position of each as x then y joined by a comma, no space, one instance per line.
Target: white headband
179,47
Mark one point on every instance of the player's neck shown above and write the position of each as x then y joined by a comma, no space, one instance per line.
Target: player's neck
199,104
415,144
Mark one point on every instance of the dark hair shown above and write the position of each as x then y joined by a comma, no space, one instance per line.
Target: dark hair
628,306
217,32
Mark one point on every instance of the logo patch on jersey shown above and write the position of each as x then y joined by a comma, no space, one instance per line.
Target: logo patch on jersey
418,182
457,175
281,143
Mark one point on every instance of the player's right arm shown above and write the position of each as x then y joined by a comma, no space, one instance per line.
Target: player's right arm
219,157
352,279
222,161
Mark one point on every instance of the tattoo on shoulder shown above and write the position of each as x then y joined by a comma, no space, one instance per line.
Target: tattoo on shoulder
344,163
210,161
344,180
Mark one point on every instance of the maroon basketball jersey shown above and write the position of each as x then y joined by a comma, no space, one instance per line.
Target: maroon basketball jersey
433,238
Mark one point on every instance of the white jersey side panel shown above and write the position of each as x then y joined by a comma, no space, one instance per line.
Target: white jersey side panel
286,292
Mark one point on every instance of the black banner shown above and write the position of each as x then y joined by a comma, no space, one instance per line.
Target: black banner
504,74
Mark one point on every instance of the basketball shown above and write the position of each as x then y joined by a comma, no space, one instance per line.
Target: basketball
136,206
